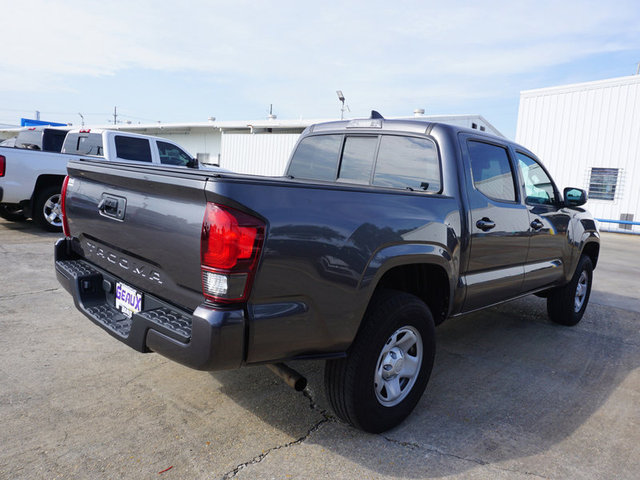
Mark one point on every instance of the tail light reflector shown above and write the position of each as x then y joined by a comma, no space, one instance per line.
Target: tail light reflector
63,207
3,165
230,248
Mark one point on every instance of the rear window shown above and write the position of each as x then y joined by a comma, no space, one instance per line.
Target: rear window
131,148
357,159
31,139
83,144
408,162
391,161
52,140
316,158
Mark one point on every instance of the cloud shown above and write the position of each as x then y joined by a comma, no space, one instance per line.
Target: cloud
403,51
91,38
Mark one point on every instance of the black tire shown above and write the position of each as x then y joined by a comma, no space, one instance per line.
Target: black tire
46,209
566,305
13,214
392,318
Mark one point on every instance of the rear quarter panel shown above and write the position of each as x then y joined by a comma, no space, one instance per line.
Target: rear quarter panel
23,167
326,247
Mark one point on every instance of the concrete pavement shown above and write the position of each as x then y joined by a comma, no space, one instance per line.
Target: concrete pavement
511,395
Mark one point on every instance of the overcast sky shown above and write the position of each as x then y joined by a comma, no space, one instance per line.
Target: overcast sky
187,61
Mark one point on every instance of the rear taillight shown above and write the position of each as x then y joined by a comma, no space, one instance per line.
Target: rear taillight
63,207
230,248
3,165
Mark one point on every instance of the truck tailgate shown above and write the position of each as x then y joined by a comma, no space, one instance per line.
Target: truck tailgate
148,237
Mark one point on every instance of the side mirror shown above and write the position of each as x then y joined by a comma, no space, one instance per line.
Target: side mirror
574,197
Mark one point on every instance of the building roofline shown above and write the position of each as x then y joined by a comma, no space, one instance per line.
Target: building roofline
275,124
592,85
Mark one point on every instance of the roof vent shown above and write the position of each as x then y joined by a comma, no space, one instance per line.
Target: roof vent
418,112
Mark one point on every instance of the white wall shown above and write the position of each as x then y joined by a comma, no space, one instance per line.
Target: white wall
258,154
577,127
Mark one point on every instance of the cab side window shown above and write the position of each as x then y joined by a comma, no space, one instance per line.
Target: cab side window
133,148
538,186
491,170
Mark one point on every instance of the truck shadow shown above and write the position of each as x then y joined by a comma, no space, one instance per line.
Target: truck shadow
507,384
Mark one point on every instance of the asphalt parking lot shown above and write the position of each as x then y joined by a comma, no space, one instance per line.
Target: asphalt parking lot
511,396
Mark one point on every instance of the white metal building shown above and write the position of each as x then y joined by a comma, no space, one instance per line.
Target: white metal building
588,136
259,147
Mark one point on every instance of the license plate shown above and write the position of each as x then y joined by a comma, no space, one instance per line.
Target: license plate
128,300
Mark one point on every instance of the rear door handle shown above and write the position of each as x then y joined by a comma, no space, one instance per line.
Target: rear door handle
485,224
537,224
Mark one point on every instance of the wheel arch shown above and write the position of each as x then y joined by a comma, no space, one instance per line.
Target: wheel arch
44,181
426,281
421,270
592,250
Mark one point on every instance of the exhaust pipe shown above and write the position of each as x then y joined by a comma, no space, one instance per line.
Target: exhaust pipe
292,378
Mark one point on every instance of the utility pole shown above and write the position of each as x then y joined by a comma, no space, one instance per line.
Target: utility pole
37,115
115,115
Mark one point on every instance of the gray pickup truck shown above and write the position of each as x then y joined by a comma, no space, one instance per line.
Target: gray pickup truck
381,230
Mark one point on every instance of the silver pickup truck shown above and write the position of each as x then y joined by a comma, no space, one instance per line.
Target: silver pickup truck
32,172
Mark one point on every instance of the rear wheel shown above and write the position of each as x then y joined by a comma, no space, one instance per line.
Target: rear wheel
47,212
380,382
13,213
566,305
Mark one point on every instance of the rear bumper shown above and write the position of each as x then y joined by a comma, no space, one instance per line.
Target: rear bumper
209,338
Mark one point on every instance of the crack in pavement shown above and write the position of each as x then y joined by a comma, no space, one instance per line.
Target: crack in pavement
477,461
326,418
14,295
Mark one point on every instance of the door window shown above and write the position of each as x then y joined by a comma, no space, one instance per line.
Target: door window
537,184
172,155
491,170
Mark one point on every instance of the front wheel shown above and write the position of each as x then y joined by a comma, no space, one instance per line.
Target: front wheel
566,305
382,379
47,212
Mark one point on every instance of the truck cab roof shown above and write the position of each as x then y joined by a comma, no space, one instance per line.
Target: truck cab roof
379,125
